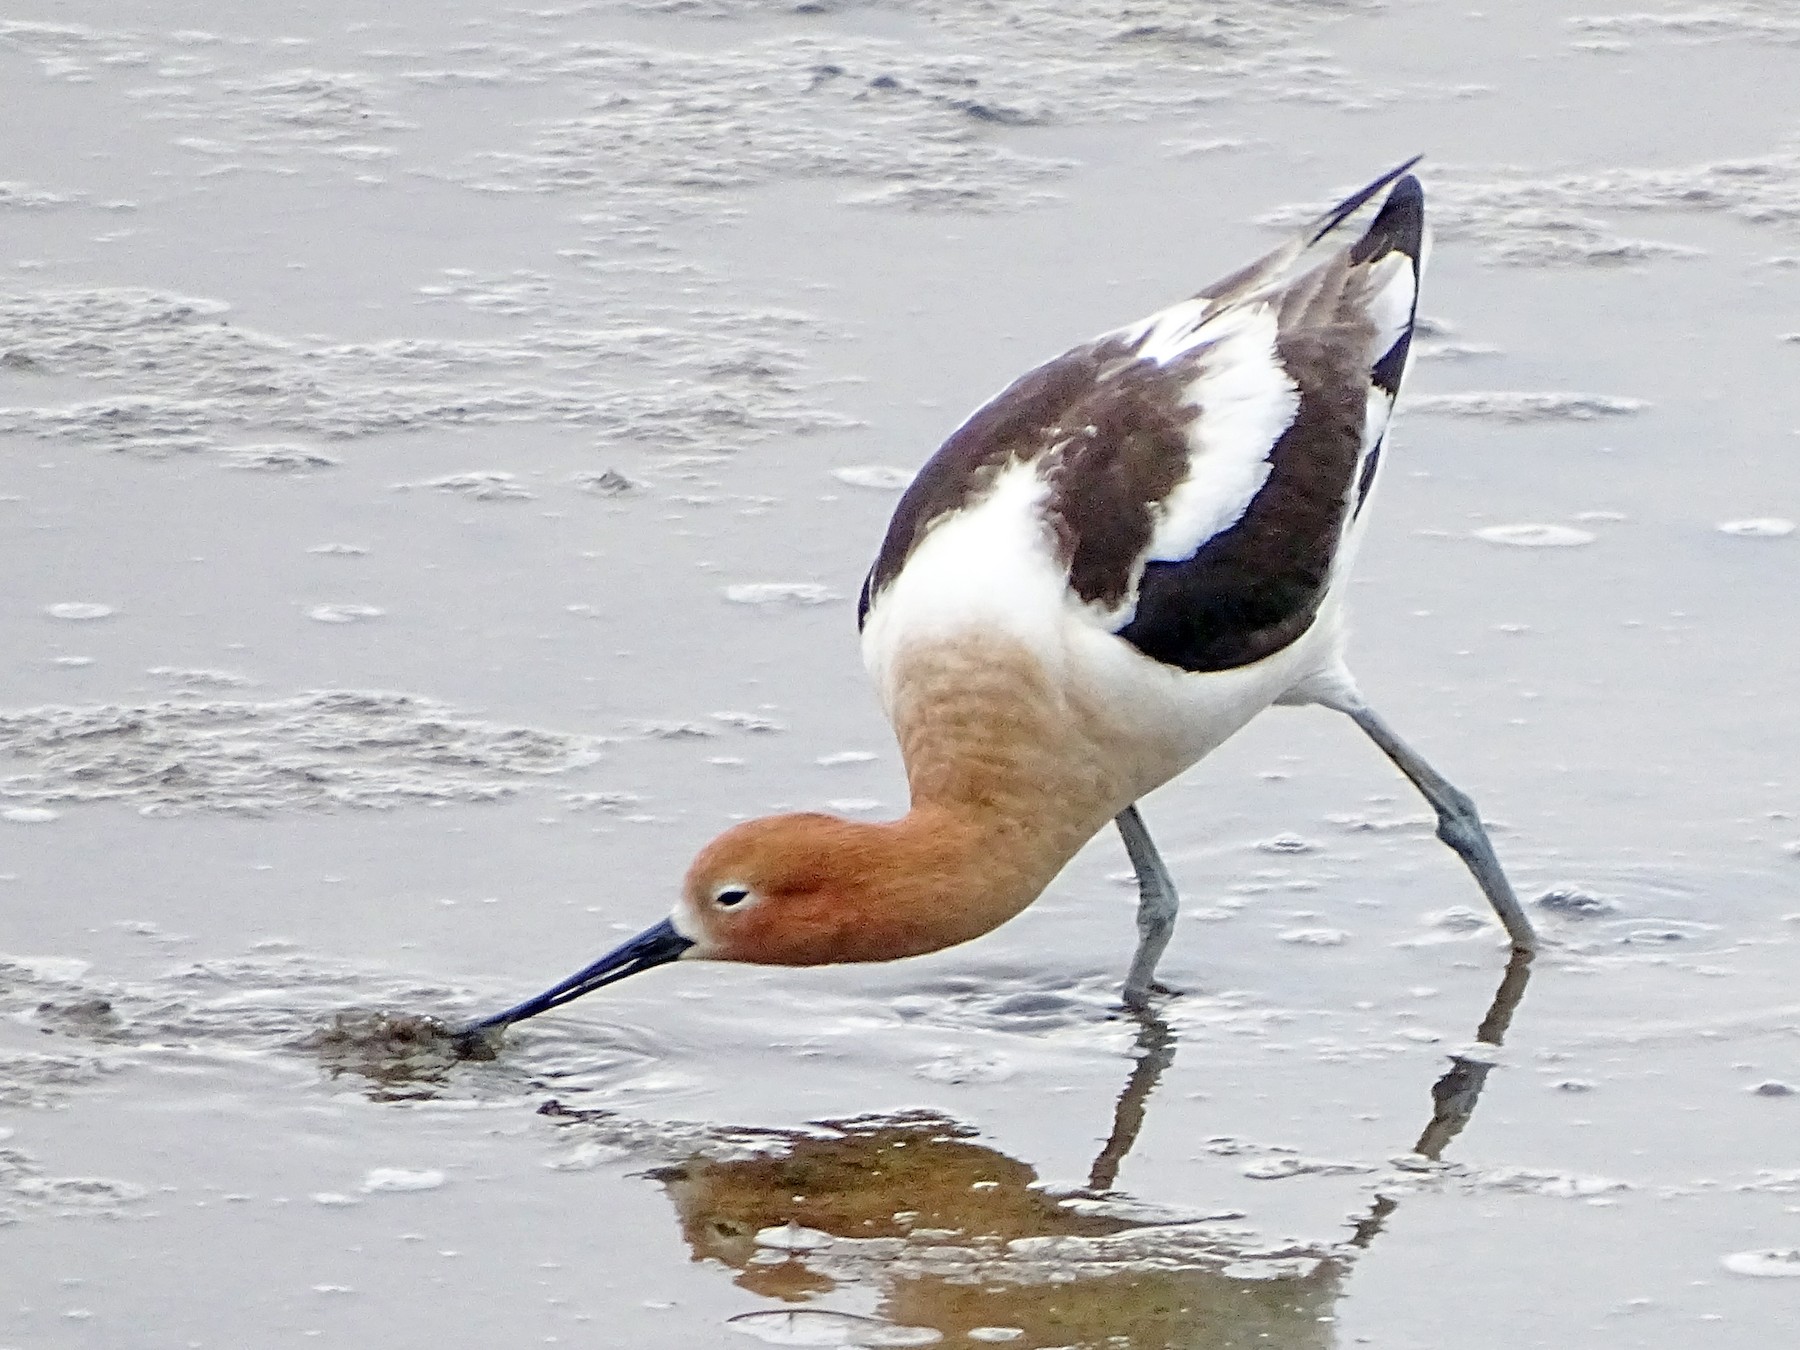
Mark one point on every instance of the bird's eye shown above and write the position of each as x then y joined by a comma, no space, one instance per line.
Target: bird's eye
727,896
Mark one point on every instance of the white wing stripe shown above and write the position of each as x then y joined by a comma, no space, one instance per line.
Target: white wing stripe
1390,300
1246,400
1168,333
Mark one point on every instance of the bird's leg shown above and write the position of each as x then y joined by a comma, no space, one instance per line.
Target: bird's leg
1157,903
1459,824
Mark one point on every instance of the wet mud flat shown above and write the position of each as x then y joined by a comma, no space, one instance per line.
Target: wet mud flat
438,455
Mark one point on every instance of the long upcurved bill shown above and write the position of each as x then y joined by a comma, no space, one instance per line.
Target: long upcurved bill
652,947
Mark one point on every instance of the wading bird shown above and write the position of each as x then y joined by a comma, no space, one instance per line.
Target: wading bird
1105,572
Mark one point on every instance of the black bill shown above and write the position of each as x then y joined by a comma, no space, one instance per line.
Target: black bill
653,947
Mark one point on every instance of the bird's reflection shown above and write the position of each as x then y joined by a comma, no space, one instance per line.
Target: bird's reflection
1154,1051
956,1236
1454,1095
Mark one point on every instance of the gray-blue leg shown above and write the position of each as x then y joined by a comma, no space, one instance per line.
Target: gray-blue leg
1157,904
1459,824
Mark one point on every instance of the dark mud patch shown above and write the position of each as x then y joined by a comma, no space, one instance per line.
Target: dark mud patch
402,1054
93,1019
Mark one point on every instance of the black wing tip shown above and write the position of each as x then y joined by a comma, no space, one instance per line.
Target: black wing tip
1406,187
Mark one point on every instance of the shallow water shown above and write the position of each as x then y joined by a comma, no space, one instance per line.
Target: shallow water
440,453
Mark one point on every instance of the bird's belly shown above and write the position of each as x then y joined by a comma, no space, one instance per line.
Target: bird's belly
1161,720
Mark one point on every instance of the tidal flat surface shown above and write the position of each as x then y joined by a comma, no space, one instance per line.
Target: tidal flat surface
438,456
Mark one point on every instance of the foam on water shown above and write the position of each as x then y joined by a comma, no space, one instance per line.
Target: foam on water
780,593
1760,527
817,1326
881,477
173,376
322,749
1521,407
344,613
1767,1263
902,121
1536,535
78,610
483,485
1754,22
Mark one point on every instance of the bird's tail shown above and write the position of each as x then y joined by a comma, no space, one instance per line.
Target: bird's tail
1399,225
1398,228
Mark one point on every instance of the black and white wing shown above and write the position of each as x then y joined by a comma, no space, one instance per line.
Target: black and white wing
1200,470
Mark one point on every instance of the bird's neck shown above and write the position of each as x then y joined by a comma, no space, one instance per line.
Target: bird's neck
1010,774
991,731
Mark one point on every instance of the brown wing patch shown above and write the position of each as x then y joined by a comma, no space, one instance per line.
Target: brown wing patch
1109,434
1128,453
1010,425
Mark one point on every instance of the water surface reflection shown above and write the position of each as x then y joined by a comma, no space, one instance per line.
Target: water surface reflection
953,1236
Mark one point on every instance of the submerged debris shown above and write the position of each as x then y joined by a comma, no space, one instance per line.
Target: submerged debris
607,483
1575,903
395,1050
92,1018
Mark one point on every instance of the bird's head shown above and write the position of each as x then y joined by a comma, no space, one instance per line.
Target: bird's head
786,890
790,890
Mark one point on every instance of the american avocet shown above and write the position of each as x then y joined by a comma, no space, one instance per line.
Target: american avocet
1105,572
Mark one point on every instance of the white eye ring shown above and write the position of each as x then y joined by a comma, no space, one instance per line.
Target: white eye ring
730,895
